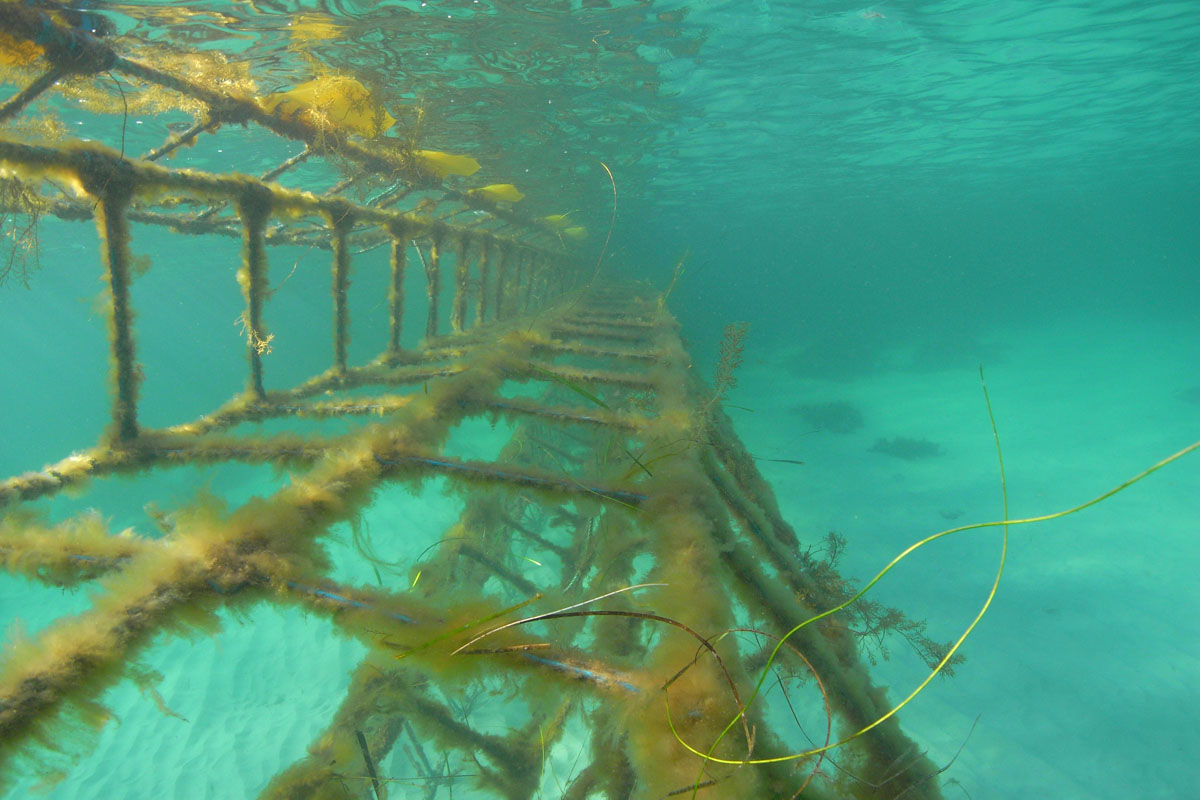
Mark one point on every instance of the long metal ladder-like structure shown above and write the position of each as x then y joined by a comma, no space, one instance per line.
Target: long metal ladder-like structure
667,572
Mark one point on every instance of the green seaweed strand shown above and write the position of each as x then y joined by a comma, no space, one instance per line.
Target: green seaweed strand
1002,523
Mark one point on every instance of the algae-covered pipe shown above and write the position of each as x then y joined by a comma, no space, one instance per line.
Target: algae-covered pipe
485,268
462,271
396,291
114,191
433,288
342,223
254,206
501,275
14,104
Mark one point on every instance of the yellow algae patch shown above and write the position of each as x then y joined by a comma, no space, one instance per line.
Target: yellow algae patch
557,220
498,191
443,164
17,52
315,27
331,102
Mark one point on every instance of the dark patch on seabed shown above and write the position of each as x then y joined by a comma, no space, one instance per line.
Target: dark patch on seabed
833,416
907,448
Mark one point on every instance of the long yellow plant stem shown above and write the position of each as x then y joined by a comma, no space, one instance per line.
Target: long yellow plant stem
1002,523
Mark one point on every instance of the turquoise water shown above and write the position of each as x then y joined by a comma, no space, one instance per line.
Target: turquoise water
890,195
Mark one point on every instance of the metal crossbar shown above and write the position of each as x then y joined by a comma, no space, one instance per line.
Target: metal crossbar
621,473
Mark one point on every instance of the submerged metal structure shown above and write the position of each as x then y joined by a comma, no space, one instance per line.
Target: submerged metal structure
672,566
